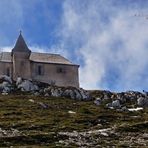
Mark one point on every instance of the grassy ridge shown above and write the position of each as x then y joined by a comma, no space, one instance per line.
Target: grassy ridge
39,126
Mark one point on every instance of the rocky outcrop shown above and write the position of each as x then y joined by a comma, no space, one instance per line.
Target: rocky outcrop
111,100
38,88
142,101
27,85
121,101
4,78
67,92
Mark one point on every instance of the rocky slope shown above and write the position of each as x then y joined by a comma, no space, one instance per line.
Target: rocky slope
34,114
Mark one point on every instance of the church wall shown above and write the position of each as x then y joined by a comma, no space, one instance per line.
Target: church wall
58,74
6,68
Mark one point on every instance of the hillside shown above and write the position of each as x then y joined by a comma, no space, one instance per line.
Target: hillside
34,114
37,121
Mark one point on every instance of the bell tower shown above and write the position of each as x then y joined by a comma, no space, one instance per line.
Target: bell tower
20,58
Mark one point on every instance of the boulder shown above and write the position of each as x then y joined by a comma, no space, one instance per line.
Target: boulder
56,92
85,94
68,93
116,104
5,78
5,84
98,101
19,81
142,101
5,87
27,85
46,95
109,105
78,95
124,109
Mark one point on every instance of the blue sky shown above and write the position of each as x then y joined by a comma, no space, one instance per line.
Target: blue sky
108,38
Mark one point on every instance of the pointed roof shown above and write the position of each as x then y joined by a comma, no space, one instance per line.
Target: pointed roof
20,45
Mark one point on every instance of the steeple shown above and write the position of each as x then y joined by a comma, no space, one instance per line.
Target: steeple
20,45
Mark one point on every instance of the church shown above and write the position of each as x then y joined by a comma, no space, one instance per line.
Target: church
43,67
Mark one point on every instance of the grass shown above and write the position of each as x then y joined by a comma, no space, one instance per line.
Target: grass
40,126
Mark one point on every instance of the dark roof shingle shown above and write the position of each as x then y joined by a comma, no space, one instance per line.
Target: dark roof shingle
39,57
5,56
21,45
49,58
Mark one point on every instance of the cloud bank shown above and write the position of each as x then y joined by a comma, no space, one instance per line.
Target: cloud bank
109,41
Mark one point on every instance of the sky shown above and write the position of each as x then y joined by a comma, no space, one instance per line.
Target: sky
107,38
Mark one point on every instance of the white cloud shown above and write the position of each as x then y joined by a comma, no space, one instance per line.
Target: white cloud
6,49
114,43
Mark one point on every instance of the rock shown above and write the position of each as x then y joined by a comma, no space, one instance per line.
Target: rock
98,101
9,133
78,95
19,81
5,84
56,92
85,94
142,101
121,97
5,78
45,106
68,93
36,93
116,104
124,109
5,87
46,95
106,97
27,85
41,91
109,105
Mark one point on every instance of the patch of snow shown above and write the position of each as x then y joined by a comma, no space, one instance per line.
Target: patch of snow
31,100
135,109
71,112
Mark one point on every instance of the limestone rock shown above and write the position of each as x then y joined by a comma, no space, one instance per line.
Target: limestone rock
79,95
56,92
97,101
5,78
116,104
85,94
142,101
19,81
5,87
27,85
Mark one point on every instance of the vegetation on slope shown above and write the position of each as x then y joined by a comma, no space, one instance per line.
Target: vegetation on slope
39,126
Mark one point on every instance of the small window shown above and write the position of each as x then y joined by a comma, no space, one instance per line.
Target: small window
8,71
61,70
40,70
